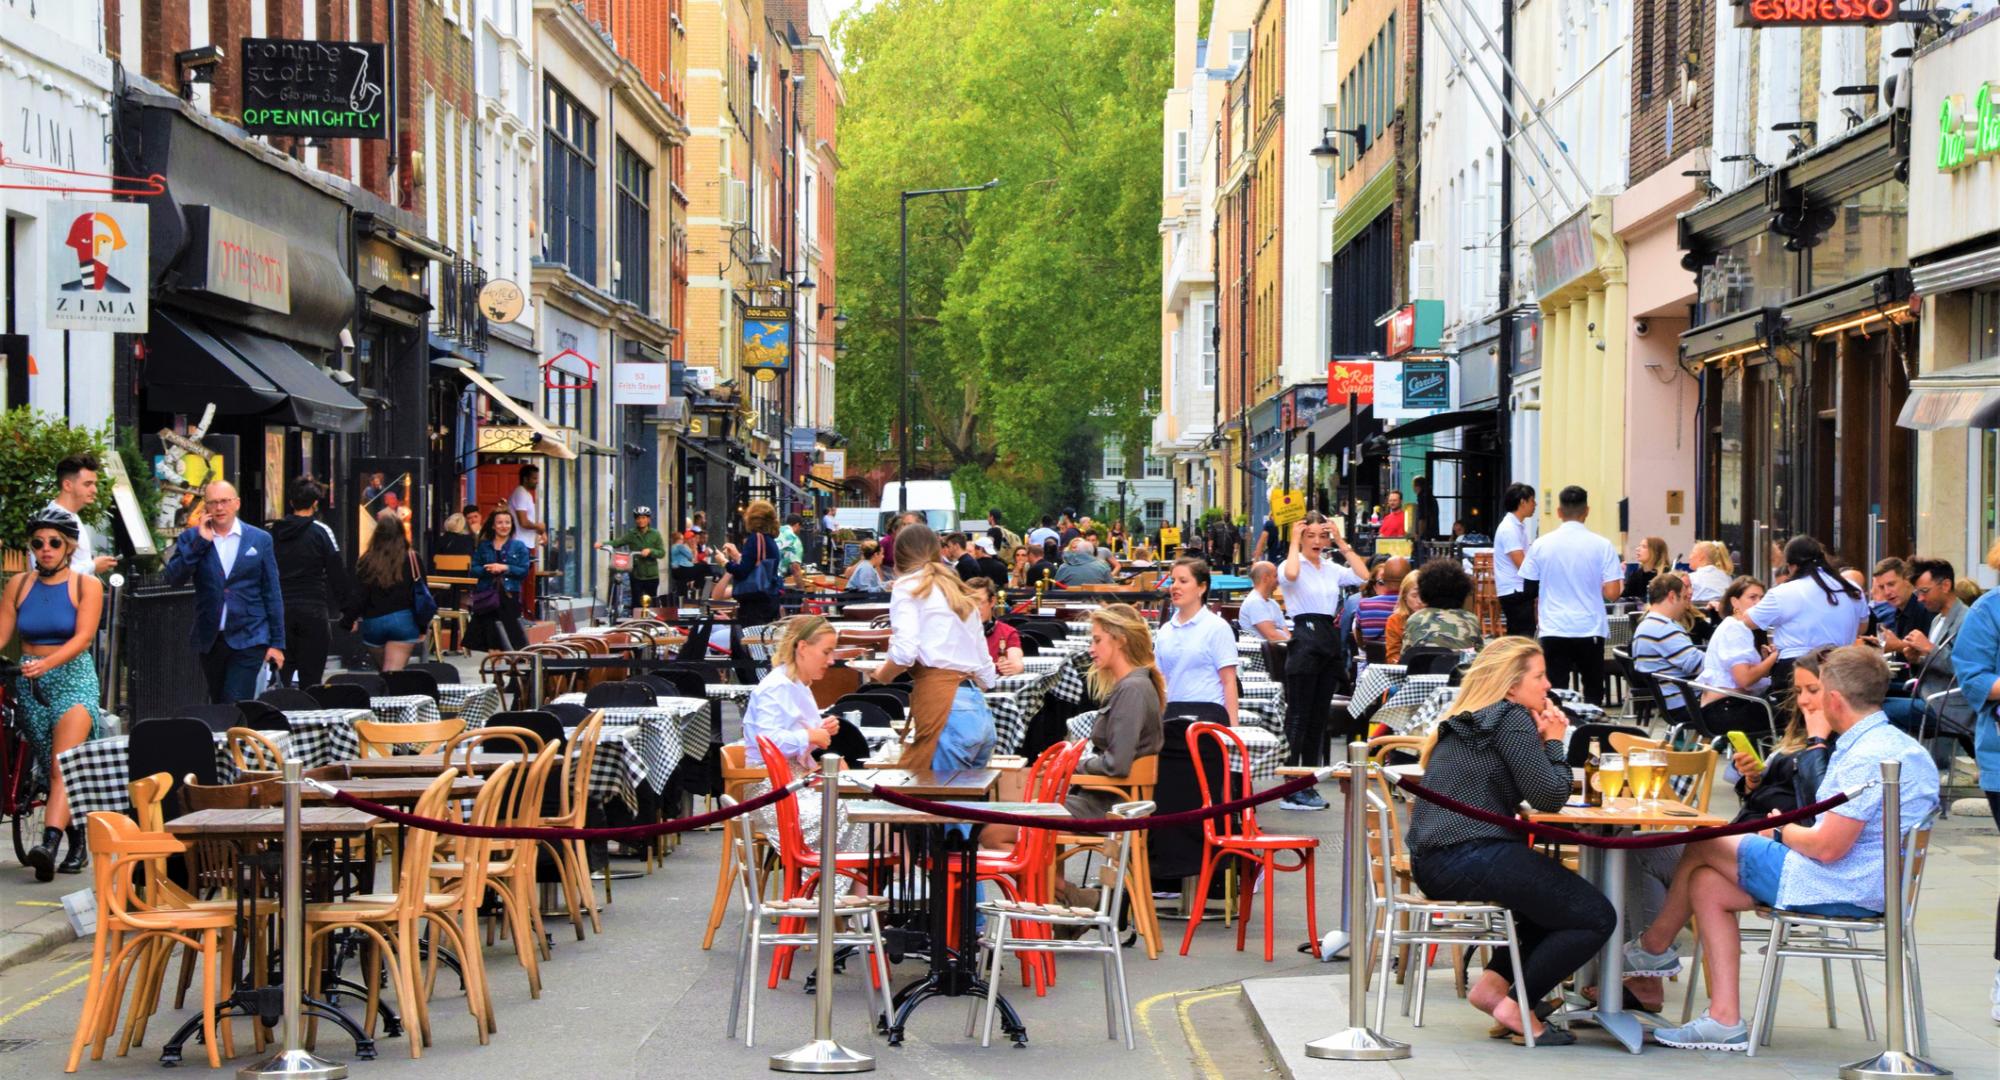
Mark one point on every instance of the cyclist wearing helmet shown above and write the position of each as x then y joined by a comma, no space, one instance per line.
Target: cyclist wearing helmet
646,546
55,609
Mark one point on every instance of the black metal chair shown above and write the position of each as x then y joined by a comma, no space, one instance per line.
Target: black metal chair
542,722
569,714
677,682
217,717
179,746
400,683
1430,660
1645,693
1581,737
620,694
368,680
443,673
890,705
340,695
262,716
872,714
288,699
1031,644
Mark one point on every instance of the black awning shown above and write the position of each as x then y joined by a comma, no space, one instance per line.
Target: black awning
187,368
312,399
1444,421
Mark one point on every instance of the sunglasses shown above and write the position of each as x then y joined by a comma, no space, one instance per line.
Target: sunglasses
39,544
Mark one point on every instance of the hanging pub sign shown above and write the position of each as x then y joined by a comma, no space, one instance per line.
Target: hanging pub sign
331,89
1427,385
1756,13
767,341
97,266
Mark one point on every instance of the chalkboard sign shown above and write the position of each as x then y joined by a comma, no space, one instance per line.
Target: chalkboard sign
334,89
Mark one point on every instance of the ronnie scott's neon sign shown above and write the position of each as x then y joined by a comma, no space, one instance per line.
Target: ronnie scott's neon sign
1968,137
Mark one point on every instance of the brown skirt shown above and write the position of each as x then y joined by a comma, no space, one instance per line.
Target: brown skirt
931,693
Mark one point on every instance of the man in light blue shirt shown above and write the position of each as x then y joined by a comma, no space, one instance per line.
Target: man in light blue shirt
1832,867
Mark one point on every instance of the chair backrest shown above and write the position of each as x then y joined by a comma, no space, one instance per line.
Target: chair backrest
177,746
495,798
367,680
443,673
893,704
406,681
149,801
1234,782
1032,645
118,847
749,882
289,699
413,877
1691,776
737,772
339,696
1275,654
1375,649
379,738
688,682
451,564
1579,739
540,721
578,756
1645,692
218,717
620,694
1430,660
568,713
696,645
791,837
1916,855
873,714
838,682
1624,742
250,750
1117,854
262,716
473,741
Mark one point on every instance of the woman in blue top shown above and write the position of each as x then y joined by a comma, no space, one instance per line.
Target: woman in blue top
756,594
503,563
56,611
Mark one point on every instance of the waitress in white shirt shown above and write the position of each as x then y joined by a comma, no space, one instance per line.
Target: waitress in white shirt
1814,607
1316,657
1195,649
934,634
1734,661
1511,541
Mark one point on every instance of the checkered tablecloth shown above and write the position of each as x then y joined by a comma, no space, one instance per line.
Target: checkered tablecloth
1015,699
1426,716
1267,748
1376,682
1250,655
619,766
407,709
475,703
96,773
728,691
1410,695
1072,682
661,734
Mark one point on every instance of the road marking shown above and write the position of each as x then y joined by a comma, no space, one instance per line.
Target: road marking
38,903
53,994
1185,999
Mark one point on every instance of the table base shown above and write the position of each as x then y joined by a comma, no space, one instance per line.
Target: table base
951,981
1623,1026
822,1056
246,1004
293,1065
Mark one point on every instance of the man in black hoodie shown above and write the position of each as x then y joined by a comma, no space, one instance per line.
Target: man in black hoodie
311,579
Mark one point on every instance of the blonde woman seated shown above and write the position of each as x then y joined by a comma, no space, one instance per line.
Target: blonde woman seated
782,710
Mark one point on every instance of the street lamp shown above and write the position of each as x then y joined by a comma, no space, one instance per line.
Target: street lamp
903,339
1326,151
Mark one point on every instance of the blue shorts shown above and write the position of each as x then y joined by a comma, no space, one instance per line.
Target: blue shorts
1760,865
397,626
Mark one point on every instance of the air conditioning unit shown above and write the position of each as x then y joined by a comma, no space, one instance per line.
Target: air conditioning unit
1423,270
735,202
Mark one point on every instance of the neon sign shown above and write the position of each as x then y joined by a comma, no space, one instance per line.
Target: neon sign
1964,140
1755,13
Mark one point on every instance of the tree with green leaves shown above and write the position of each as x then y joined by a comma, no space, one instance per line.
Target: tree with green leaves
1034,307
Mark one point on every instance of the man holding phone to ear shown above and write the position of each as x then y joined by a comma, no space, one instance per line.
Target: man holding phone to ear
239,610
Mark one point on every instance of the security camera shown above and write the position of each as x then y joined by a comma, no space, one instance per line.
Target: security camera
1640,328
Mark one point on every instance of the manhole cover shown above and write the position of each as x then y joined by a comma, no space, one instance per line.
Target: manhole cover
8,1046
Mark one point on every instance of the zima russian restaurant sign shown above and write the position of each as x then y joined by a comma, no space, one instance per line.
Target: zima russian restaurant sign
332,89
1755,13
97,266
1966,137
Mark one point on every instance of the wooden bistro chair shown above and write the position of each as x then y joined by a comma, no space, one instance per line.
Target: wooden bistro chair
380,738
572,868
737,776
1245,840
1136,786
252,751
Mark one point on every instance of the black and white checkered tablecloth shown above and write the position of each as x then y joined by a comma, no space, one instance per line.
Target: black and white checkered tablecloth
653,740
1072,683
96,773
407,709
1267,748
1426,716
1250,655
1015,699
1376,682
475,703
619,766
729,691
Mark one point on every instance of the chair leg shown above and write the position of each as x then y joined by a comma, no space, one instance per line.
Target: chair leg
750,1015
1860,991
1913,998
1244,899
1826,983
882,981
720,907
1270,889
1388,936
993,978
743,965
1140,888
1693,978
1197,905
1312,905
1767,987
1424,954
1124,992
1520,987
208,981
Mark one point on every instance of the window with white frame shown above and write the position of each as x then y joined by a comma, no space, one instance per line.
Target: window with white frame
1180,165
1114,457
1156,511
1204,325
1330,21
1156,467
1239,47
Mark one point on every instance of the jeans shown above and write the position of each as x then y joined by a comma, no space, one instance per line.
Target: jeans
1561,920
1584,656
231,673
1518,609
968,738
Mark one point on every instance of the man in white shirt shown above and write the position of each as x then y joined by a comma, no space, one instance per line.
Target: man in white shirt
1578,571
1261,615
528,525
76,483
1043,533
1510,550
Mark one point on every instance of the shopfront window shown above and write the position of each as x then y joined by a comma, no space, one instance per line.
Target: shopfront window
1752,273
1866,237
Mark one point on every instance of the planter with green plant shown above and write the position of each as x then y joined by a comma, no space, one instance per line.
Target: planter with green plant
31,443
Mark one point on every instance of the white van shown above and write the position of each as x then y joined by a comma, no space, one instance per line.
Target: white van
934,499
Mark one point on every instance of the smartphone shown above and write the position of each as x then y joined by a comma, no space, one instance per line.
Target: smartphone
1743,745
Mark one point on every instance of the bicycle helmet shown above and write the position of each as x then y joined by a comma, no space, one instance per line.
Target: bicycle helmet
642,511
62,521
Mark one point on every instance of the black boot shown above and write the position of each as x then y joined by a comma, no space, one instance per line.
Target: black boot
79,852
42,857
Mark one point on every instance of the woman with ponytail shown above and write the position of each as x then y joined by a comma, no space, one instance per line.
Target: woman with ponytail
934,634
1815,606
1196,648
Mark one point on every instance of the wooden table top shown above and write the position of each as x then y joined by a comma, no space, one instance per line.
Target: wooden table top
1626,813
925,783
877,812
313,820
436,580
422,765
394,789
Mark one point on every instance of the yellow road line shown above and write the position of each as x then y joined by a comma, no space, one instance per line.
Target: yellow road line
37,903
1184,999
16,995
51,995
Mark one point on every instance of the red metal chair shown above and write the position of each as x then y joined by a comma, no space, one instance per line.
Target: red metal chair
1024,873
800,862
1244,840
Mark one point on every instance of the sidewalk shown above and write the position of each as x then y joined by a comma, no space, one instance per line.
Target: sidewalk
32,922
1954,934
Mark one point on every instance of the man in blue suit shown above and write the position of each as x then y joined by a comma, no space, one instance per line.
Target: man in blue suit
239,613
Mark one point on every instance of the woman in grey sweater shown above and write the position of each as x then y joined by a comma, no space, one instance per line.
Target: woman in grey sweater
1134,695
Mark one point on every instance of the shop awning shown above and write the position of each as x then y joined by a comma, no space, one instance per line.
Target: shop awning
1960,397
539,437
1444,421
191,364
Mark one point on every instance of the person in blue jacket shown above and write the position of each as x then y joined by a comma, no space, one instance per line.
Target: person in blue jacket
239,610
1976,659
502,561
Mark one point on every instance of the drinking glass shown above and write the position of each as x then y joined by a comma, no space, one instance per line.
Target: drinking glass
1610,776
1644,771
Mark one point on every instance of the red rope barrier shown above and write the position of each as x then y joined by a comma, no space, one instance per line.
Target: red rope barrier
963,812
626,834
1559,834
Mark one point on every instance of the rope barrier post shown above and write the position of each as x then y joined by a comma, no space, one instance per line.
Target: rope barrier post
1895,1060
535,680
1356,1042
292,1061
823,1054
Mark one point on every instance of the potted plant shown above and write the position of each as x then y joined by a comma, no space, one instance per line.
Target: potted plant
31,443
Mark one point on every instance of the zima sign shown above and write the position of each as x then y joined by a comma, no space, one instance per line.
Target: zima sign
97,260
1967,138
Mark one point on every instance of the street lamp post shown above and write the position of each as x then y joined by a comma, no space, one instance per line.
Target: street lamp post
903,340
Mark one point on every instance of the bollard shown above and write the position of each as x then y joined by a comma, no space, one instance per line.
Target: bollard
535,681
823,1054
1356,1042
293,1061
1895,1060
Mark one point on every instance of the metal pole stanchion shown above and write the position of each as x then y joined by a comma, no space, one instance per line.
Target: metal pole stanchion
823,1054
1895,1060
1356,1042
535,680
292,1061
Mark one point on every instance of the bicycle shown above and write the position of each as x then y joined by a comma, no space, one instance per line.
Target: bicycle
24,783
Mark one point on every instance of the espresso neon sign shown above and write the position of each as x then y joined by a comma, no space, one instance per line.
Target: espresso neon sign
1755,13
1967,138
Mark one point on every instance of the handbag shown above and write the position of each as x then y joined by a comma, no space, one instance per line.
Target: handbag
484,599
762,580
423,604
